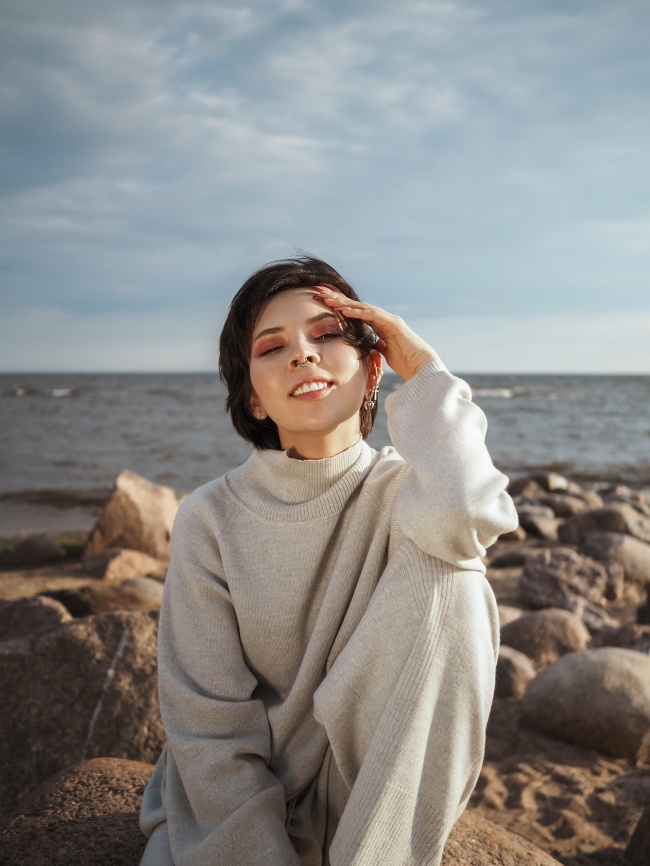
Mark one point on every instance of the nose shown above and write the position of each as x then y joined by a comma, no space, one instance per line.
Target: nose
304,352
303,358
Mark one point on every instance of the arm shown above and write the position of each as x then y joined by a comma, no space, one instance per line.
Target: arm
452,502
223,804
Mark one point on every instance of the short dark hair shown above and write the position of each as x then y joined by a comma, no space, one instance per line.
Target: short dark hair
237,336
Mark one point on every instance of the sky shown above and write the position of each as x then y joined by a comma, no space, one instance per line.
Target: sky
481,167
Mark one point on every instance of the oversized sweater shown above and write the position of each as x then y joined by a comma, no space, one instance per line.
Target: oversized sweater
272,569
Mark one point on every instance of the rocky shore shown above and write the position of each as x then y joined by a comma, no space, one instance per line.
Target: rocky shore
566,777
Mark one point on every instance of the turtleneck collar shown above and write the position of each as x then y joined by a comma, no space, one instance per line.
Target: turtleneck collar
283,488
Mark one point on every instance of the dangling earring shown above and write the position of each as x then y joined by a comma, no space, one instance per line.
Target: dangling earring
371,398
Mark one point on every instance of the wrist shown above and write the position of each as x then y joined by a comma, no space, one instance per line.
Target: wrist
425,356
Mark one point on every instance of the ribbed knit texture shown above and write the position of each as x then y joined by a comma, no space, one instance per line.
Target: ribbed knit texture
331,607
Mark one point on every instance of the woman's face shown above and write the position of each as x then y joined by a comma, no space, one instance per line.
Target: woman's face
315,407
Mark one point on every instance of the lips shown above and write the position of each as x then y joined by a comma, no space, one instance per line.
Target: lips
313,385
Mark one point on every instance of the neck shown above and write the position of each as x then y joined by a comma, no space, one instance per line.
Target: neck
319,446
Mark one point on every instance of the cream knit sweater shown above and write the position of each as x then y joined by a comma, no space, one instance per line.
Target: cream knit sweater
267,662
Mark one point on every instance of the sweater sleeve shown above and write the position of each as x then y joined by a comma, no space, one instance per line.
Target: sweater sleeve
452,501
223,804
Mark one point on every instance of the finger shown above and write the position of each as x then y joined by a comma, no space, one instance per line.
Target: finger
338,299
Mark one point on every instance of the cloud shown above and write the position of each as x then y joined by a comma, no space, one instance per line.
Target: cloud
54,340
588,343
450,156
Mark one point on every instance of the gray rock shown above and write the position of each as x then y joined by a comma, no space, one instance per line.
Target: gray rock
539,525
87,689
30,616
551,577
552,481
475,841
138,516
507,614
629,636
637,852
529,506
34,551
515,535
564,504
621,493
630,553
514,671
525,487
545,635
143,593
538,520
594,617
510,558
599,698
617,517
86,814
116,564
643,611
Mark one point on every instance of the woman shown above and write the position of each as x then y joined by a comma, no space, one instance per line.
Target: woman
327,637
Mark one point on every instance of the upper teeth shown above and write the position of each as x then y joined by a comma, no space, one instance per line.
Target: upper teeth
310,386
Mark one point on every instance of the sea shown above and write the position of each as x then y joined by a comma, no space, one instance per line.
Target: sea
64,437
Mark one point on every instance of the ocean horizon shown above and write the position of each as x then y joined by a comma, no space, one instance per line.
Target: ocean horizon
67,435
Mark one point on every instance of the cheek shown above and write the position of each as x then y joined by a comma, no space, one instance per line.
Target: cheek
262,380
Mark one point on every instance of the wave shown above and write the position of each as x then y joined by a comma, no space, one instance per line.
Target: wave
536,392
31,391
505,393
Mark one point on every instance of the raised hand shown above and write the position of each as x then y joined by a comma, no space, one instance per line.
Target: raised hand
403,350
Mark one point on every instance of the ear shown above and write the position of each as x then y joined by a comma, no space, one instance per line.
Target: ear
374,369
258,409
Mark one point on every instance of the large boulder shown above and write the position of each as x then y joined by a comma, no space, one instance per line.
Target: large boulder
615,517
139,516
142,593
116,564
630,553
87,689
30,616
514,671
552,577
475,841
599,698
545,635
86,814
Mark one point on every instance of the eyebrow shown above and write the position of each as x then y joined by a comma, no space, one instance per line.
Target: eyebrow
281,328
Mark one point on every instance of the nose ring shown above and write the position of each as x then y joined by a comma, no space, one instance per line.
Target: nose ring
301,363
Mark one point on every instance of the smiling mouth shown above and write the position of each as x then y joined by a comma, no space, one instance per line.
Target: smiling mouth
310,386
